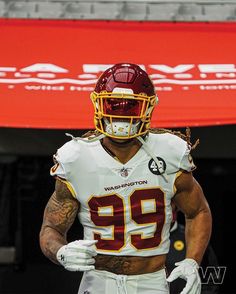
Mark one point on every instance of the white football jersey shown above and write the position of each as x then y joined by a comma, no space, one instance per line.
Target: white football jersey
126,207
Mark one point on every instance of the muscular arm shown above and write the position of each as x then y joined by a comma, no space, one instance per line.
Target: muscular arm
191,201
59,215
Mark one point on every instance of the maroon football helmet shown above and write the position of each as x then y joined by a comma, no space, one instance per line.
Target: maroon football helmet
123,99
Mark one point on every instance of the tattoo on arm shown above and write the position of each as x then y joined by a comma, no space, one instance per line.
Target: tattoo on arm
59,215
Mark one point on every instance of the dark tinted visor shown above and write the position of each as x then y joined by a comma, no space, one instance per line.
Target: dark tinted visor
122,107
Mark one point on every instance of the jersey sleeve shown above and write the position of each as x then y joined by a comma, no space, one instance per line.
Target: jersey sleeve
63,165
176,151
186,162
58,169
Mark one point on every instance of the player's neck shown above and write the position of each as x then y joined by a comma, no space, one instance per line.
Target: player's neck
122,150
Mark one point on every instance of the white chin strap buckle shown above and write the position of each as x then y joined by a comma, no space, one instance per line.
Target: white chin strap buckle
121,128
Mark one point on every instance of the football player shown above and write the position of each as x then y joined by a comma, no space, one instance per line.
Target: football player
120,181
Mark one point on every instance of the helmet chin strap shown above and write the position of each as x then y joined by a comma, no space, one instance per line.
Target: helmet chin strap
121,128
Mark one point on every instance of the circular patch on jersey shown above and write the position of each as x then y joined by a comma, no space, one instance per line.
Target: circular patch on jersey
153,166
179,245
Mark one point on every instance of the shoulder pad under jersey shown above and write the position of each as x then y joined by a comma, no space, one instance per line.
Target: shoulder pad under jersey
64,156
173,150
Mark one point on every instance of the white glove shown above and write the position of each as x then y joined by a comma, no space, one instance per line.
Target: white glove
187,269
77,255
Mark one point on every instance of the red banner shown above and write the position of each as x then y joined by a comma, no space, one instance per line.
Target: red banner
48,69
